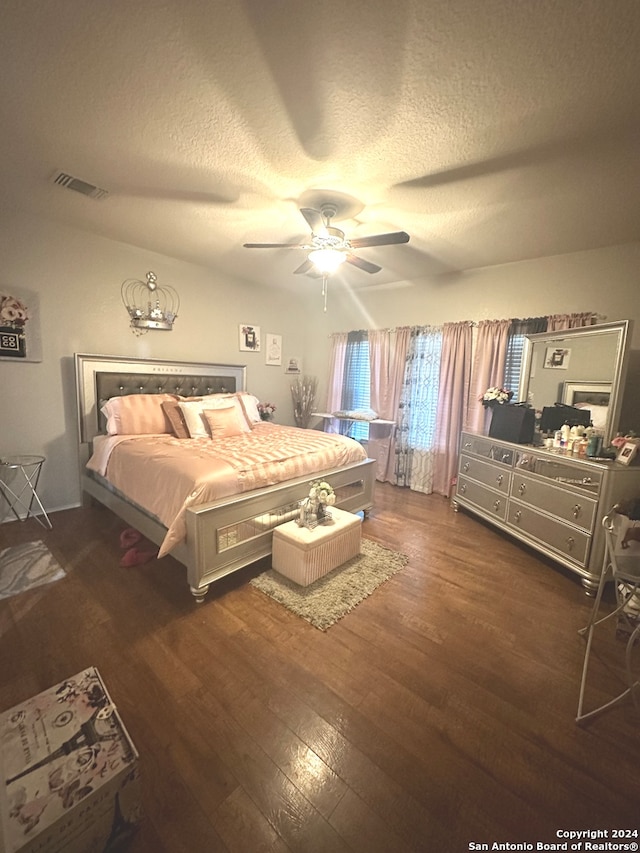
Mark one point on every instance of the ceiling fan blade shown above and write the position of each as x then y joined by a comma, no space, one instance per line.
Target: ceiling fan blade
380,240
304,267
367,266
273,246
314,221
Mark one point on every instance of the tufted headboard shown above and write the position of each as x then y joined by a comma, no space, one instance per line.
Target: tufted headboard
99,377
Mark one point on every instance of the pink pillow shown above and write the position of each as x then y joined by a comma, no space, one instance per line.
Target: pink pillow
137,414
223,422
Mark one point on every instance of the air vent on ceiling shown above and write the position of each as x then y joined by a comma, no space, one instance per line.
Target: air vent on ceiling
71,183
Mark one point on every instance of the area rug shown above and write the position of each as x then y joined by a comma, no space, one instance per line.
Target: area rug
26,566
331,597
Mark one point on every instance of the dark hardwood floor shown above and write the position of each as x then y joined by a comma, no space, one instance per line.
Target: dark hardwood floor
437,715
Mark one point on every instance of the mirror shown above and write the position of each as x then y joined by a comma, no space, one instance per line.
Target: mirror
583,367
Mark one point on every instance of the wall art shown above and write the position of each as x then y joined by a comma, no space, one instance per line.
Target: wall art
557,358
273,352
249,338
19,325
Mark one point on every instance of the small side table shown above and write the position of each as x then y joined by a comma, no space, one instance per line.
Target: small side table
27,472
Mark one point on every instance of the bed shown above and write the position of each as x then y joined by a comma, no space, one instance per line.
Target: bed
217,534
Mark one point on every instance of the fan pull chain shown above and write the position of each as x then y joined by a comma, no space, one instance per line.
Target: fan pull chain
325,289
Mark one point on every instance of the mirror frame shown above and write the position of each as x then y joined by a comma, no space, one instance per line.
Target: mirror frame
623,328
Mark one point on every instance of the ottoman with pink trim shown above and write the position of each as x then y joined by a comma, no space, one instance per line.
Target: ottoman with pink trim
304,555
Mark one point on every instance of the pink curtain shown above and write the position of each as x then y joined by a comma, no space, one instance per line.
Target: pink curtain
387,357
488,369
555,322
453,399
336,377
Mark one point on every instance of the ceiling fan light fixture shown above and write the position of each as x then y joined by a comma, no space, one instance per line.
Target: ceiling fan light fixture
327,260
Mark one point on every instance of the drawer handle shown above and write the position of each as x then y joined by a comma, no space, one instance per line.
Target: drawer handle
496,506
570,542
467,445
517,516
499,479
463,488
466,467
577,511
522,488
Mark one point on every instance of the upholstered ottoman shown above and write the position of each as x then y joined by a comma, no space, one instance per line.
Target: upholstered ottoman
304,555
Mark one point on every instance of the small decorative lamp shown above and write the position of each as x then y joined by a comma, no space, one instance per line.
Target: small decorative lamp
149,305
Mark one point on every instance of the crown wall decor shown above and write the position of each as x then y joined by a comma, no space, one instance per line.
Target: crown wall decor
149,305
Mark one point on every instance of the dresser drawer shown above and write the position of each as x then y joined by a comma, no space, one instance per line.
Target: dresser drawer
581,476
567,506
482,497
563,538
487,448
485,472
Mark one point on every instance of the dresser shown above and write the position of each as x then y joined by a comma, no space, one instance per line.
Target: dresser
551,501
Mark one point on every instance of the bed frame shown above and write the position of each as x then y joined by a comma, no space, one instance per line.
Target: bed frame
227,534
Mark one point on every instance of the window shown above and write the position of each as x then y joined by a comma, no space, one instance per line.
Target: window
518,332
357,382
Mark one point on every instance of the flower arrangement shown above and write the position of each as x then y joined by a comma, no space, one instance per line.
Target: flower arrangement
266,410
13,312
321,491
313,509
495,397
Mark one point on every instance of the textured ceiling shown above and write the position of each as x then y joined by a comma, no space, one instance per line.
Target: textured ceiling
491,131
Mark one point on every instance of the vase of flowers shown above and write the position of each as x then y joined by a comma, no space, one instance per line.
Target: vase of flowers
266,411
495,397
313,509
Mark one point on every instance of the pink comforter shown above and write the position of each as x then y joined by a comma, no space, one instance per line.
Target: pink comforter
166,475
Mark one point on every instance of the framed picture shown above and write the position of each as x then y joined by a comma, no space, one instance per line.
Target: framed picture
273,352
557,358
627,452
249,338
19,325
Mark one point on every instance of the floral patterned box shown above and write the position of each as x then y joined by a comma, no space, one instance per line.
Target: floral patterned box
68,771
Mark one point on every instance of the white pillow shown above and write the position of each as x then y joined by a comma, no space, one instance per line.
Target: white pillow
197,424
250,407
598,414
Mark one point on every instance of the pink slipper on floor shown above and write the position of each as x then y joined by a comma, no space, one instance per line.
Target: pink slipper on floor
137,556
129,537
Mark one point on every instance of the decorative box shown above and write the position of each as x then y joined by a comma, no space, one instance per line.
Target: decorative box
68,771
303,555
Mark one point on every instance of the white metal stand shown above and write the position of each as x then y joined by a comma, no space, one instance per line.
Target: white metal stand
625,572
27,470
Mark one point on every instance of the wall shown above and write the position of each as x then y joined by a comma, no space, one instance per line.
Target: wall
602,280
78,278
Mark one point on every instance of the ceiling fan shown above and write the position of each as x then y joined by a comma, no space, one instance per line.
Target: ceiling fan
328,246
